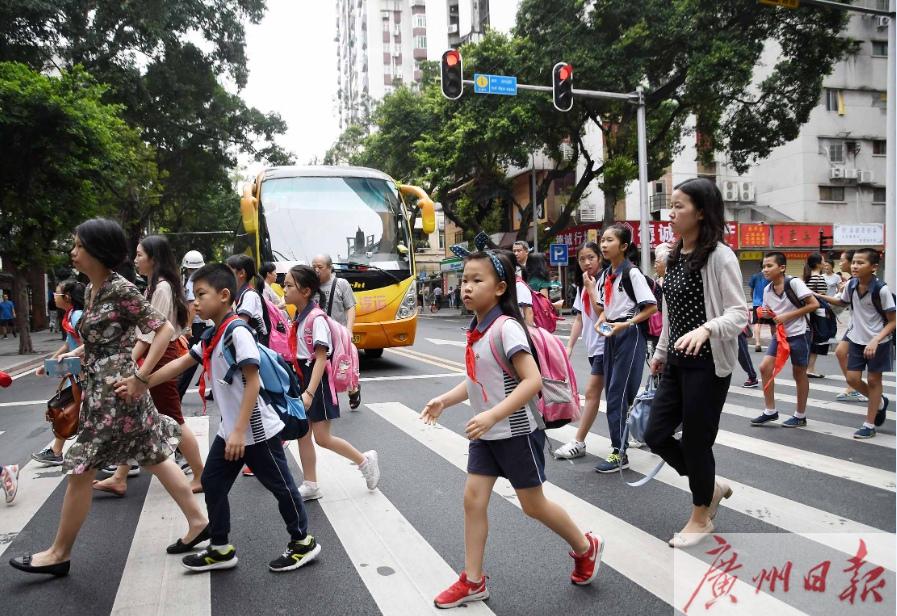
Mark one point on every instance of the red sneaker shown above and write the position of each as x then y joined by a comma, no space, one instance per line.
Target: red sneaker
586,566
462,592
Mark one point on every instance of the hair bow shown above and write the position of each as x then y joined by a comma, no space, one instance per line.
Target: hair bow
481,241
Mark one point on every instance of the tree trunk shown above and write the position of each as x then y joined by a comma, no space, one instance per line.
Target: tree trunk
610,204
23,310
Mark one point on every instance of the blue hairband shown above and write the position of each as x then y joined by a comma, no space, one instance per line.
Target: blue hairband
481,241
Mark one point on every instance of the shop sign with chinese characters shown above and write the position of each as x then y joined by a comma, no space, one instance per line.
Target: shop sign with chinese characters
753,235
871,234
798,236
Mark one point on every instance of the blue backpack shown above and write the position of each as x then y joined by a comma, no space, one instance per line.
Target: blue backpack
279,385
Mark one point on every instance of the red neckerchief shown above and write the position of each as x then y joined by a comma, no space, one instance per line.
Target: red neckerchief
586,302
207,351
609,287
473,335
68,327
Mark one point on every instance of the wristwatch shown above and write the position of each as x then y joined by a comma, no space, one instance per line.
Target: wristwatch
630,322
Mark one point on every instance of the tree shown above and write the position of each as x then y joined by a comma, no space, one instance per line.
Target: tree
694,58
62,149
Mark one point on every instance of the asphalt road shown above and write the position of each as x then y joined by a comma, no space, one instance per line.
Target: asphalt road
391,550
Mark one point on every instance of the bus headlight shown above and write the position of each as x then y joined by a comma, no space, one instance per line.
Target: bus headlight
408,307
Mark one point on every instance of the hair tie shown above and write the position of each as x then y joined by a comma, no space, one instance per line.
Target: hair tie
481,241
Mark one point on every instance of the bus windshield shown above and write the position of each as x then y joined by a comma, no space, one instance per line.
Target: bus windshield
357,221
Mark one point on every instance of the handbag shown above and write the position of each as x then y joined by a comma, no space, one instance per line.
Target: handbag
64,408
637,424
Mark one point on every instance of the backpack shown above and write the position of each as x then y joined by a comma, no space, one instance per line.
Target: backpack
278,330
626,283
558,402
279,385
342,363
822,328
544,315
655,321
875,288
254,325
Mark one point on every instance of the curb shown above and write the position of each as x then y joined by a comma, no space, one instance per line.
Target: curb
27,365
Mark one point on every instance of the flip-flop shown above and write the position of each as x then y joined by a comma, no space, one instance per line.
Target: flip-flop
815,375
102,488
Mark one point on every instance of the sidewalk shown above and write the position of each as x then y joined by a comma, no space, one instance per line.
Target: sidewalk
44,344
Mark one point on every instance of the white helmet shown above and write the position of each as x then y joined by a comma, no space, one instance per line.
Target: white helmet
192,260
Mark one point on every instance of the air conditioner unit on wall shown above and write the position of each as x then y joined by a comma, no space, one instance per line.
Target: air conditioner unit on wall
836,173
850,174
730,190
881,22
746,191
865,177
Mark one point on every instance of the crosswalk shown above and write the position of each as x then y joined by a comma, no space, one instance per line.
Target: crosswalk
390,551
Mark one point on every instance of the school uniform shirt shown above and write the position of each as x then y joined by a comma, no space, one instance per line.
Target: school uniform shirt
621,307
250,305
524,295
780,304
832,281
865,321
498,383
593,340
320,334
263,422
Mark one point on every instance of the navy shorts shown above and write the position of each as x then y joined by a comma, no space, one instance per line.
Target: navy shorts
800,349
322,406
519,459
882,362
597,364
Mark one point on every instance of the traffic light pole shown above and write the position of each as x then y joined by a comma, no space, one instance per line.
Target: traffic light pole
637,98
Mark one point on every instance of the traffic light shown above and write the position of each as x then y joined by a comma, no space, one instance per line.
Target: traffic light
562,86
450,73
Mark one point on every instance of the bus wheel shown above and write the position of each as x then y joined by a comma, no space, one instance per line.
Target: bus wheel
373,353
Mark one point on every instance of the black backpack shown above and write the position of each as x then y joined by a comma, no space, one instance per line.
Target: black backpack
626,283
822,328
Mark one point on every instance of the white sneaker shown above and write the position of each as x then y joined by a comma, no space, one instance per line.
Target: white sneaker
371,469
634,444
133,470
309,492
573,449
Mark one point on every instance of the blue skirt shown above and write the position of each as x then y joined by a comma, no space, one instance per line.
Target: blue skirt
323,408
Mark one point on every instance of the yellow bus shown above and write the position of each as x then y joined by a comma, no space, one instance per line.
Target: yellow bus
356,215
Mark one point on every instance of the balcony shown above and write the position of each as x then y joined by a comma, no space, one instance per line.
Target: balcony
658,201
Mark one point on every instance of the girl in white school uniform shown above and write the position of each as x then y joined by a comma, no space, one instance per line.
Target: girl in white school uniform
300,285
587,304
626,301
506,433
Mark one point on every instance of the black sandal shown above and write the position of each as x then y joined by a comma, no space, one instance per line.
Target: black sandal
179,547
355,398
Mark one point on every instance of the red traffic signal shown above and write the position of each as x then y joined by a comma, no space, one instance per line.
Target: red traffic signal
562,86
451,74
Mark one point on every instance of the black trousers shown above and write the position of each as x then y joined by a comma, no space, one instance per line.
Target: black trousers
691,395
269,463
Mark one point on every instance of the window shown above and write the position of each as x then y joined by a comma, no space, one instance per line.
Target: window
420,42
836,152
880,100
880,49
879,147
420,21
879,195
834,100
831,193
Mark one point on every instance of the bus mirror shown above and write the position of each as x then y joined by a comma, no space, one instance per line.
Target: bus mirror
249,210
427,209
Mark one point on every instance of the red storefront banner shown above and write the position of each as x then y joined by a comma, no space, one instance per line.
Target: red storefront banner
752,235
798,236
661,231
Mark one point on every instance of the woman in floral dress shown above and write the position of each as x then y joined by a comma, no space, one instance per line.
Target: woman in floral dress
114,430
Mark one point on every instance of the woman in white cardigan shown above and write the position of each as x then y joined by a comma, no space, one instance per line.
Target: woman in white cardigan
704,311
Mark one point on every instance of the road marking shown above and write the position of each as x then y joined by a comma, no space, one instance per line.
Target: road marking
827,528
23,403
411,354
441,342
632,552
174,590
376,535
36,484
815,385
409,377
26,373
416,357
840,377
844,407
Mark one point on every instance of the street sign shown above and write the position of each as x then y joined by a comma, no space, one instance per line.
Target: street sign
558,255
788,4
495,84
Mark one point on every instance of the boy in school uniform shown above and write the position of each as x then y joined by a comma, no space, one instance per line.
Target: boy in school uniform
248,432
780,307
872,324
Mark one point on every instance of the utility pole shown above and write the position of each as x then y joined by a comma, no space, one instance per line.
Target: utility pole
891,145
535,206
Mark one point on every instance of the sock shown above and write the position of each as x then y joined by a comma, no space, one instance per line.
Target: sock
800,415
365,463
769,411
221,549
304,540
311,484
866,424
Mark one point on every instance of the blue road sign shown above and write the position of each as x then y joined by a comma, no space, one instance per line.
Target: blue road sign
558,255
495,84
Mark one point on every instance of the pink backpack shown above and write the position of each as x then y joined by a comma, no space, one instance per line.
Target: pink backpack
278,334
544,314
559,399
342,365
